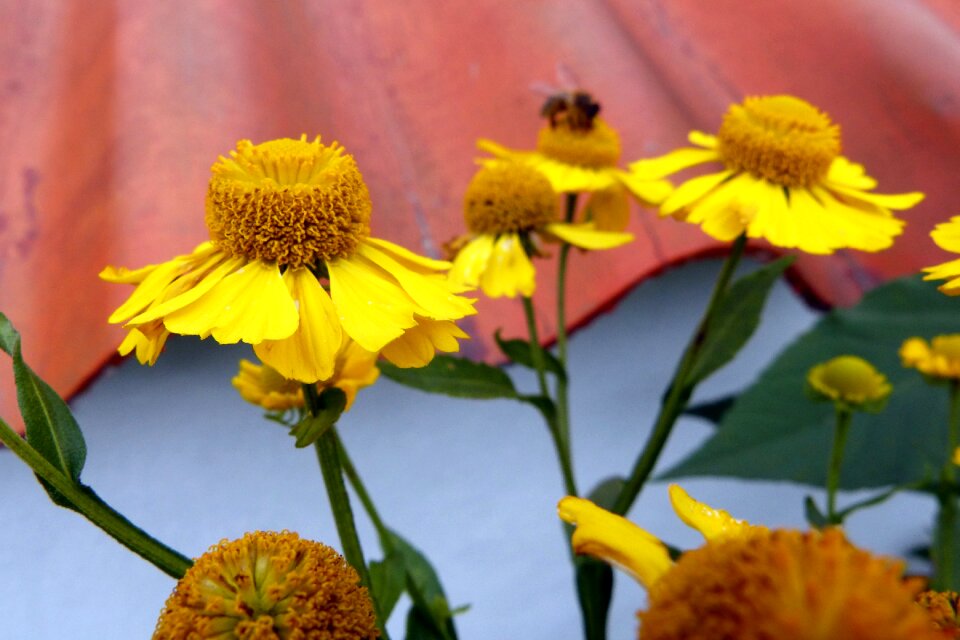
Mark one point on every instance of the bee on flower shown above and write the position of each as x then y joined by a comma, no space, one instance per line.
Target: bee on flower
782,178
292,269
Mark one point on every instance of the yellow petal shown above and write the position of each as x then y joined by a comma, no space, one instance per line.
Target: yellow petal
849,174
373,308
712,523
609,209
668,164
702,139
434,295
720,213
587,236
946,235
252,304
896,201
471,261
648,192
188,287
692,190
867,228
509,271
409,259
798,223
417,346
310,353
615,540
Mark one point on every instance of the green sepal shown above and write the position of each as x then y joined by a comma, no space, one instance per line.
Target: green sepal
51,428
735,319
388,578
518,351
774,432
457,377
430,614
312,427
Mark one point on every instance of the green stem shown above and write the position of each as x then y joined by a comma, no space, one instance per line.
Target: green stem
328,456
563,402
945,540
98,512
844,417
680,390
539,363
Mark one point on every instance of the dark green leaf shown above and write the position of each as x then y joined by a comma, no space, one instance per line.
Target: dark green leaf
814,516
712,410
774,432
420,627
51,428
426,592
605,493
594,589
457,377
332,403
388,578
544,405
736,318
518,351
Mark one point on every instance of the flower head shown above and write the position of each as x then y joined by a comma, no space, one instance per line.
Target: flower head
942,607
578,152
506,204
290,219
850,381
940,358
783,179
751,583
946,235
261,384
268,585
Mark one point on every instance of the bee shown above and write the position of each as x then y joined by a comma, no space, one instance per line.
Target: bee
567,106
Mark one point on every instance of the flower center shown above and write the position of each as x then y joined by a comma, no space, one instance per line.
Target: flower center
288,201
508,196
850,379
779,138
595,148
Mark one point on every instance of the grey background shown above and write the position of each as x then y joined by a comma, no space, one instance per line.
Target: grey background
473,483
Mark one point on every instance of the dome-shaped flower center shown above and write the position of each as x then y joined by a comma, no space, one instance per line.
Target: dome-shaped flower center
779,138
288,201
784,584
506,196
947,347
268,585
593,148
849,379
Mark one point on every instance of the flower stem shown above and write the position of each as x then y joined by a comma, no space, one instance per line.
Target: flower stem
328,456
539,363
680,390
844,417
945,540
98,512
563,403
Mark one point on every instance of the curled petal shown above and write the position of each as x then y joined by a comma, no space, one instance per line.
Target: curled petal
712,523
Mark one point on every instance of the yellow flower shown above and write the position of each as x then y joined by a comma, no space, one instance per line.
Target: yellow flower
851,381
618,541
261,384
286,218
947,236
268,586
942,607
751,583
505,203
938,359
783,179
579,152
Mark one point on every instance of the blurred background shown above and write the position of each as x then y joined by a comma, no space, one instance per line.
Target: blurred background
111,114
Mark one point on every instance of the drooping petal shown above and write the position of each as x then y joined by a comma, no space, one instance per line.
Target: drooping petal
373,308
947,235
720,213
692,190
189,287
417,346
797,223
471,261
949,271
434,295
670,163
356,369
712,523
609,209
587,236
310,353
864,227
649,192
897,201
409,259
701,139
849,174
615,540
509,271
251,304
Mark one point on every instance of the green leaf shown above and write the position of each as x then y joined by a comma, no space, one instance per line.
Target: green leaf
594,589
774,432
815,517
736,318
544,405
456,377
518,351
430,606
712,410
307,431
606,493
51,428
388,578
420,627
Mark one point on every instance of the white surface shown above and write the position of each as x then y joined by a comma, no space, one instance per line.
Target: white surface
473,483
